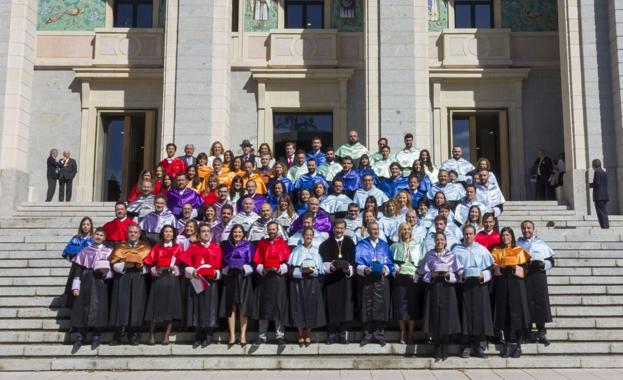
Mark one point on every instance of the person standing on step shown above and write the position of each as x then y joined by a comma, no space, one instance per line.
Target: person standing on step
203,269
237,294
374,265
83,239
473,292
441,319
53,171
152,223
172,165
600,193
129,291
67,172
271,293
338,256
90,289
541,261
164,303
306,301
542,169
511,313
117,229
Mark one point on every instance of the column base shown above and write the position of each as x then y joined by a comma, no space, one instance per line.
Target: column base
14,189
575,191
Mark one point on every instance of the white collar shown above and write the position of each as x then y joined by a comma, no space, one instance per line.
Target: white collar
133,244
339,239
205,243
123,219
168,245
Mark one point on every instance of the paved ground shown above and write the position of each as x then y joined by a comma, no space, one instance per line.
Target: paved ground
503,374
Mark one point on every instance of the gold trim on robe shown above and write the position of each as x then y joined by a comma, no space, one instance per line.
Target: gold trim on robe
123,253
510,256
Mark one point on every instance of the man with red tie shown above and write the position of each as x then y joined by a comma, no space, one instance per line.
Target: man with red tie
172,165
290,157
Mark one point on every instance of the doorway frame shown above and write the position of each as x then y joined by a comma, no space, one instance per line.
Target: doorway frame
503,174
149,154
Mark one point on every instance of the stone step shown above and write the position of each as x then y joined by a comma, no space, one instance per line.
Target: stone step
271,361
555,335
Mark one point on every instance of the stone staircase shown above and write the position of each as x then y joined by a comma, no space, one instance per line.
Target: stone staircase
586,290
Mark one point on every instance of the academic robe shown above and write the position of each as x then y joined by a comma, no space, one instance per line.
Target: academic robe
336,203
390,224
176,199
117,229
473,294
220,231
307,181
406,157
153,222
453,192
259,230
489,239
392,186
90,308
361,195
461,166
322,222
258,201
210,197
297,238
74,246
339,294
416,198
352,181
271,293
352,226
237,288
429,240
441,316
129,290
218,206
306,300
511,303
141,206
202,309
364,171
245,220
284,219
491,197
407,291
329,170
461,212
319,156
541,261
425,185
381,168
284,180
260,186
354,151
373,288
295,172
204,172
173,166
164,302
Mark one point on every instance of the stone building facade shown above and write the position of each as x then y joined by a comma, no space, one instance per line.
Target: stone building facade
115,80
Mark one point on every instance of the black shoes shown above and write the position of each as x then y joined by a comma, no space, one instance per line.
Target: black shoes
466,352
367,339
515,351
95,343
542,338
281,342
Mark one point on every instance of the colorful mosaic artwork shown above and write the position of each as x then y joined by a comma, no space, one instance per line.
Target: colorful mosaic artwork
71,15
437,15
530,15
347,15
260,15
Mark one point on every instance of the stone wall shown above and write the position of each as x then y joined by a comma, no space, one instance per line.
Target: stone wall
357,105
542,118
242,109
55,123
615,23
5,15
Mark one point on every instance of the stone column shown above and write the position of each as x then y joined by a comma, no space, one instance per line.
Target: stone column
615,13
575,188
17,94
169,74
372,73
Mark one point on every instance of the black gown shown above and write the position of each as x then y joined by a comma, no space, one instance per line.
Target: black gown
164,302
374,298
306,303
407,298
90,308
538,294
202,309
340,302
271,298
127,303
237,290
511,304
475,308
441,318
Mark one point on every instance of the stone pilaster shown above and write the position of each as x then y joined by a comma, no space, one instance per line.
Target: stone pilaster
169,73
615,12
15,126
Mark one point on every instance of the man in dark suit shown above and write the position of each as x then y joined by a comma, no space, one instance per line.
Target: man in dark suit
247,151
541,171
68,170
600,193
188,157
53,169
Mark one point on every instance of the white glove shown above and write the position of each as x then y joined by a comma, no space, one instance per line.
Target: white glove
176,271
75,284
260,269
296,273
350,271
119,267
326,266
283,269
154,272
385,270
217,274
145,269
189,272
248,269
314,273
